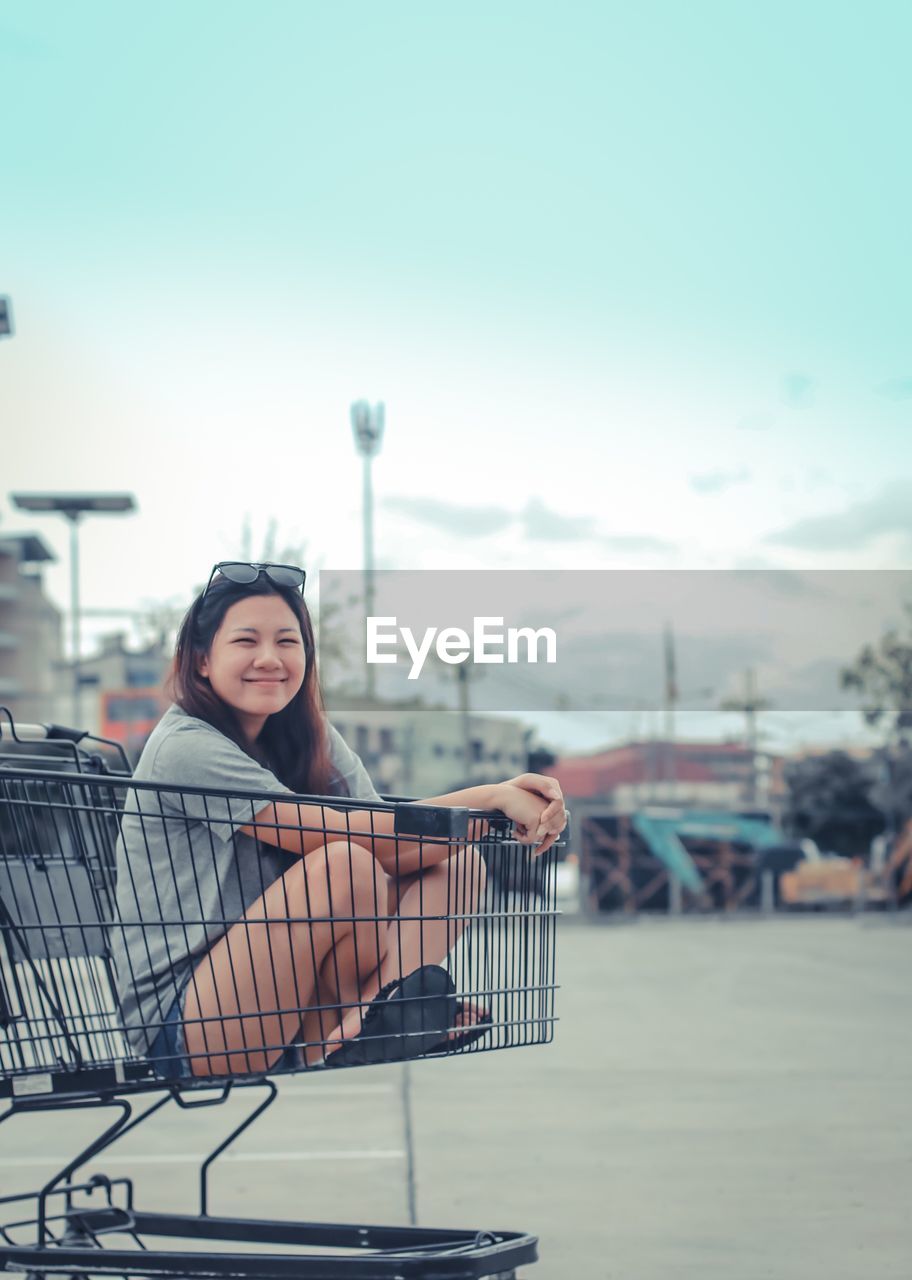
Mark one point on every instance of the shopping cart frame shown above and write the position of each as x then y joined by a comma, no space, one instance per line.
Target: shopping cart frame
69,1222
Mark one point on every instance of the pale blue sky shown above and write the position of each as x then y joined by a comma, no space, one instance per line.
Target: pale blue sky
633,280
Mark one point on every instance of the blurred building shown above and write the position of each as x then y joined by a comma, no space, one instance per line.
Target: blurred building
414,750
122,696
30,630
716,775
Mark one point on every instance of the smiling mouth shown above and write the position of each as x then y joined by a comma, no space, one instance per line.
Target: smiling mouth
266,681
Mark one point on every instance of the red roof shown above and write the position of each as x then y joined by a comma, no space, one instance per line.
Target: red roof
644,762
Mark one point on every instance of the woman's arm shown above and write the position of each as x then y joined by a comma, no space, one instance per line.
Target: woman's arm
300,828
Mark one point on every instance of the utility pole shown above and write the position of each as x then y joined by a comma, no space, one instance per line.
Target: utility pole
671,697
463,673
367,426
462,677
749,703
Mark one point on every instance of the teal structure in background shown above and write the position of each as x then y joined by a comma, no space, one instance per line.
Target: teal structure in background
663,832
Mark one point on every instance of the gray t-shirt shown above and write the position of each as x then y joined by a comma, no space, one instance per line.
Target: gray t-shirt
185,873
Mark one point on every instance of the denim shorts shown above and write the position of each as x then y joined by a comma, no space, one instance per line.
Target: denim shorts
167,1052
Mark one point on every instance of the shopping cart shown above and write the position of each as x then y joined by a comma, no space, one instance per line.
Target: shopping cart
66,1043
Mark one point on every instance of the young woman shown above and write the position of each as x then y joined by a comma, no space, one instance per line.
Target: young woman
245,926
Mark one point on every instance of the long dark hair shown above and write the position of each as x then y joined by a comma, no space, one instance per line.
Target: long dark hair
293,742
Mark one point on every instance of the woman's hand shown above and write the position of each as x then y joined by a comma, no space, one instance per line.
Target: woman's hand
524,805
554,816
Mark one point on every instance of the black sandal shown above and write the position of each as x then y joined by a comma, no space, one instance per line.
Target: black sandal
405,1019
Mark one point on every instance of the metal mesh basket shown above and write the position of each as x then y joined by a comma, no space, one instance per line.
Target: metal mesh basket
115,893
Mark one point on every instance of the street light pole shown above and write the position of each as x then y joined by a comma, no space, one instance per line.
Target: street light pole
73,506
73,518
367,500
367,427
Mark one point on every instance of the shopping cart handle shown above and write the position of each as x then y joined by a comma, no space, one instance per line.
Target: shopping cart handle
61,733
431,820
47,733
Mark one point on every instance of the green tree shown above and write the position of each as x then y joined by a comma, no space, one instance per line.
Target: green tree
892,790
829,800
882,676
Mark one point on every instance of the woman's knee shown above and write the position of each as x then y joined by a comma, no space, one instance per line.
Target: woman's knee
356,874
334,878
468,875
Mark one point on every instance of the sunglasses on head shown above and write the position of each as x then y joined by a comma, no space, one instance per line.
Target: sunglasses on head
243,572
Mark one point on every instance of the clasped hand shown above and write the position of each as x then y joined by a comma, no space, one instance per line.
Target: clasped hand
535,805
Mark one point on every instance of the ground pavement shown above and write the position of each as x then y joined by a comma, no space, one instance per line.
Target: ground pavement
722,1101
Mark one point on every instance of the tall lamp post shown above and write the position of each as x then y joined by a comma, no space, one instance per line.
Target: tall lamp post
367,426
73,506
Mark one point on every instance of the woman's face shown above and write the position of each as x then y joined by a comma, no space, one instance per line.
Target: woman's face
256,663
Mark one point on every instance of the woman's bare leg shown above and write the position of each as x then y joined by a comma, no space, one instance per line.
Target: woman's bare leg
424,923
342,981
246,998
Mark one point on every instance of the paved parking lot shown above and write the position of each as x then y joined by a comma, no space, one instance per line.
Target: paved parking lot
722,1100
